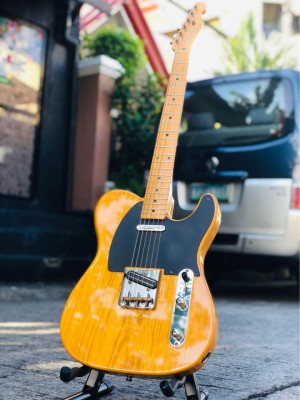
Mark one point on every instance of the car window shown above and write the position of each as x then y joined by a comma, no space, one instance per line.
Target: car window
236,113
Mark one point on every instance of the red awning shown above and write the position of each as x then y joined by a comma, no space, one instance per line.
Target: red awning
95,12
91,18
142,29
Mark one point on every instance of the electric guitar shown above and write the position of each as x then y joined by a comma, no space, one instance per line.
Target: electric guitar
143,307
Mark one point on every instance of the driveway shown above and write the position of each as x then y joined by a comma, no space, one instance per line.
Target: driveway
257,356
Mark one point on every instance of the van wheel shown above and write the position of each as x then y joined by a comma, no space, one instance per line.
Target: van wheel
212,274
294,270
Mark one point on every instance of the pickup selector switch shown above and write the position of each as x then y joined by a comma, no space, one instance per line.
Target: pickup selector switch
185,276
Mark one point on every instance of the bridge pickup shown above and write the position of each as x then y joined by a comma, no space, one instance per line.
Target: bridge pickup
141,279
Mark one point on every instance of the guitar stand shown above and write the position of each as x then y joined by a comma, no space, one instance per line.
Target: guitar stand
95,388
192,389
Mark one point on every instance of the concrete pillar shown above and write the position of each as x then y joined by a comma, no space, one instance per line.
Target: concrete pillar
96,79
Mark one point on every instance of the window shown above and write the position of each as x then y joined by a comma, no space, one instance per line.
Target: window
271,17
22,51
237,113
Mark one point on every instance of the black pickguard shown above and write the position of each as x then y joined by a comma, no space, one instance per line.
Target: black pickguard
172,250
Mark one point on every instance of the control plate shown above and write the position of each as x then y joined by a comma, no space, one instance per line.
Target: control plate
181,307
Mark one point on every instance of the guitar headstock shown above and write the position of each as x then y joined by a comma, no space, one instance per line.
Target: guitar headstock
186,35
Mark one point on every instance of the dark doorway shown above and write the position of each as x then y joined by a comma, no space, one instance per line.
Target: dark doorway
40,236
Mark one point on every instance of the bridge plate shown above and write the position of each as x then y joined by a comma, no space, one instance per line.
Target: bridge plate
139,288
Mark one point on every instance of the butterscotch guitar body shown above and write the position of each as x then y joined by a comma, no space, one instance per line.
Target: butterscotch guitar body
100,333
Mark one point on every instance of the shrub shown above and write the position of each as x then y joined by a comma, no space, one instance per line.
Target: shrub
136,104
249,52
116,43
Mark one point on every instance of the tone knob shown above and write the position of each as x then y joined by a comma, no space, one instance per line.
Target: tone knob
177,334
181,304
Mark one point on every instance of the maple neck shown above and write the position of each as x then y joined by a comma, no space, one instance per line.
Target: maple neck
159,187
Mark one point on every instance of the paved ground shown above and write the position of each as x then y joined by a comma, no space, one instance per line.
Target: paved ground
257,356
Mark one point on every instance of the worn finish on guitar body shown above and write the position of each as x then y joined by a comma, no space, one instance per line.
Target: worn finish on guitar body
98,332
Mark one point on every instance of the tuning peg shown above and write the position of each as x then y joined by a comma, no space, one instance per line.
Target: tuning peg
191,12
193,22
184,26
180,33
196,7
188,20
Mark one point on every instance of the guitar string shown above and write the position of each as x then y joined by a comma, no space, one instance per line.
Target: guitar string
157,344
162,140
158,165
164,122
152,186
171,94
164,125
144,238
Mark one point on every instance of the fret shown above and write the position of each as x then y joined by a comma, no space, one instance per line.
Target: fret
157,160
156,202
157,210
158,175
157,186
167,119
164,162
168,130
167,139
175,93
164,154
156,213
176,104
164,169
163,188
164,147
171,122
155,182
151,207
167,136
165,197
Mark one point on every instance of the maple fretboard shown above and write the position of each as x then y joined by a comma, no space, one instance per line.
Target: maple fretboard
158,191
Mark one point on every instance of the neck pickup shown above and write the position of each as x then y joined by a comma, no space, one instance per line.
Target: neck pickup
151,228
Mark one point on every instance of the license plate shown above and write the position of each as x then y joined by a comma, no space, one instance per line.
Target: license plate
223,192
